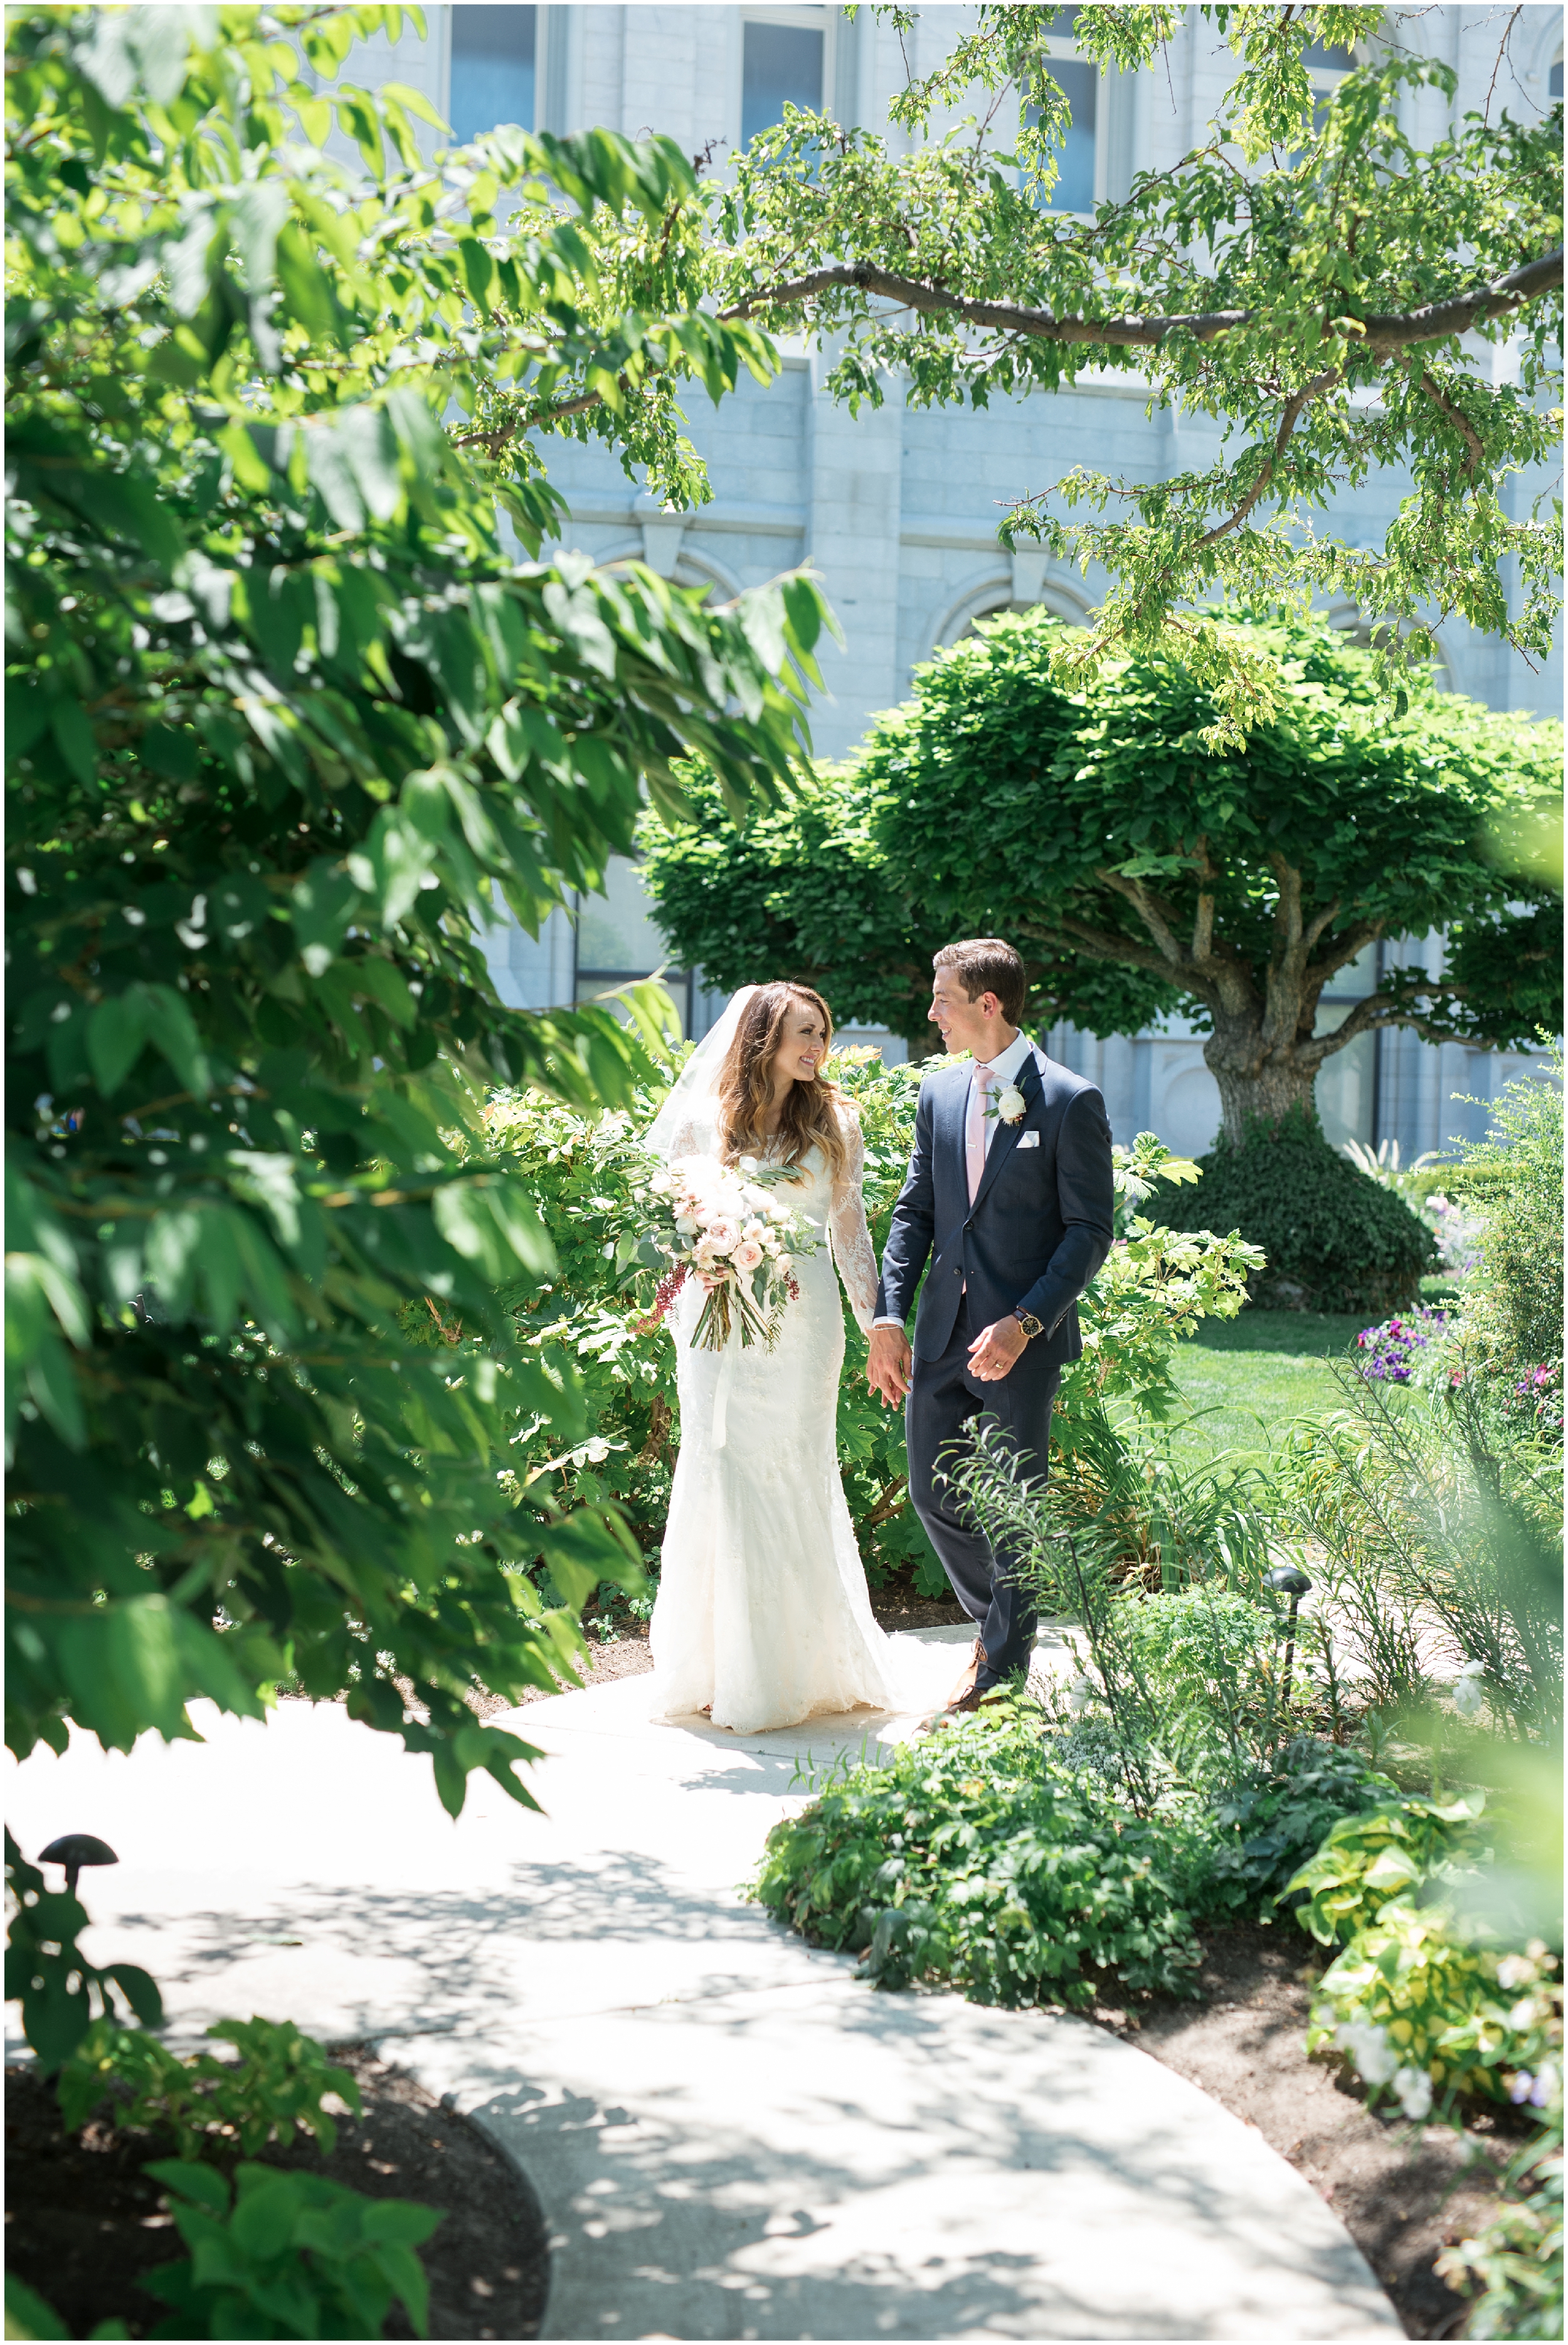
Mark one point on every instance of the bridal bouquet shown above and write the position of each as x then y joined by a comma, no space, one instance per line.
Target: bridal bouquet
723,1226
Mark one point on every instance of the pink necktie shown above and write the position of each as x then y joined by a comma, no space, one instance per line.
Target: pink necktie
975,1132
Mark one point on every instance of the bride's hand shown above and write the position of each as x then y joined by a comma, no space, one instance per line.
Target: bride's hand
887,1364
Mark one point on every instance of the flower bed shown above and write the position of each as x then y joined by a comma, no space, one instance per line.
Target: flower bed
1390,1352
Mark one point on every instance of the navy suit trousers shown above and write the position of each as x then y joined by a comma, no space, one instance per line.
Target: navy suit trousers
941,1415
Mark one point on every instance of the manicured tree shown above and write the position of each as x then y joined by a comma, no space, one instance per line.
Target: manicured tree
282,711
1139,870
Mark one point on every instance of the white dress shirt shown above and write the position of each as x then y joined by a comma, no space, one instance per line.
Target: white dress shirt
1006,1068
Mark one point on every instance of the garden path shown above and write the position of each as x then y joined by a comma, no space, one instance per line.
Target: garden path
730,2134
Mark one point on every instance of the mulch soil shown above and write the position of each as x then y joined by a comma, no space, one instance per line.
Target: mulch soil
83,2221
1403,2192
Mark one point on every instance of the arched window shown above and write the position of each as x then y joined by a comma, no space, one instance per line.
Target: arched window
990,601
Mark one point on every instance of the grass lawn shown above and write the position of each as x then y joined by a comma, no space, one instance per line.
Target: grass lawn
1250,1376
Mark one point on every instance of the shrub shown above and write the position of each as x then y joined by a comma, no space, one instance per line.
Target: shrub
1368,1860
1412,2004
274,2089
1416,2000
287,2255
971,1861
1334,1239
1513,1309
1281,1813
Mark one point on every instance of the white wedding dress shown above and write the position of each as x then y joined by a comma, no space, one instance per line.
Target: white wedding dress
762,1611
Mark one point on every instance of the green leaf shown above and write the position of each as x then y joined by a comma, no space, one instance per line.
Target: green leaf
185,2178
27,2315
74,737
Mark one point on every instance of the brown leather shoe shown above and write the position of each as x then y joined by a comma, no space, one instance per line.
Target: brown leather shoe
971,1671
978,1698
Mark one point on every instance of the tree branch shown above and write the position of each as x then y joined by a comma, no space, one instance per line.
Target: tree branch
1287,423
1156,918
1460,420
495,440
1102,944
1434,322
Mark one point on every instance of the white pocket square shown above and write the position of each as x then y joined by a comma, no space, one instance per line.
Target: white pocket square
1028,1139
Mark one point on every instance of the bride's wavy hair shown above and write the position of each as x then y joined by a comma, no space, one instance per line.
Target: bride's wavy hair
811,1114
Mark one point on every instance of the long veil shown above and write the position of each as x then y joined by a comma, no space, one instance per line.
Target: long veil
697,1083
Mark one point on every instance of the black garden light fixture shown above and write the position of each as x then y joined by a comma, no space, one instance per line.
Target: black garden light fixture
75,1850
1287,1580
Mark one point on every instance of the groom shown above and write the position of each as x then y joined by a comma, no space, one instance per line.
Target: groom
1009,1197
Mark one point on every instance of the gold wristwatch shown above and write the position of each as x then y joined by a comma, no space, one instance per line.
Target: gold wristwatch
1028,1323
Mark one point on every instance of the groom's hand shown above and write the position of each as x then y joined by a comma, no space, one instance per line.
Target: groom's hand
995,1349
887,1364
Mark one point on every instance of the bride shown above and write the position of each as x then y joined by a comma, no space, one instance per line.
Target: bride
762,1616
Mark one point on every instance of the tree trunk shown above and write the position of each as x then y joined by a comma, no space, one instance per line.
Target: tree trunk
1258,1079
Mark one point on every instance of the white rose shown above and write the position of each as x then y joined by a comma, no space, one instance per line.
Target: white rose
687,1226
1009,1104
747,1164
785,1265
747,1254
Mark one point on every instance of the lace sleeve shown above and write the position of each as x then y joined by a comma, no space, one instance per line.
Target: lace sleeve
852,1248
693,1136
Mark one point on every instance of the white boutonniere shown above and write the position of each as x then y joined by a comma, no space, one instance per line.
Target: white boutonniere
1009,1104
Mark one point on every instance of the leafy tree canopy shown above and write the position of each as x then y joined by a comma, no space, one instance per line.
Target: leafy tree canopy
1336,295
282,711
1140,872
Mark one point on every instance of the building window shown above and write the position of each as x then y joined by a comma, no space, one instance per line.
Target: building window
618,941
780,63
1326,69
493,54
1554,79
1078,158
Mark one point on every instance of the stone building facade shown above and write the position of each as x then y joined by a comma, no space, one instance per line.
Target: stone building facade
897,509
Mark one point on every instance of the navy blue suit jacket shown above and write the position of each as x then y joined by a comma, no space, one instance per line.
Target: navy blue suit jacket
1039,1228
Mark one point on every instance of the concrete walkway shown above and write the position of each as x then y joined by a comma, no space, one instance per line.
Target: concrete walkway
732,2135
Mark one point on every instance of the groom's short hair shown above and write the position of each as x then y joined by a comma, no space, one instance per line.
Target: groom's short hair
986,964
